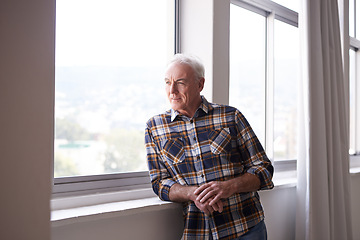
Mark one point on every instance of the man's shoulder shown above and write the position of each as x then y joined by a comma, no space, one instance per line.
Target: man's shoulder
225,112
159,119
222,108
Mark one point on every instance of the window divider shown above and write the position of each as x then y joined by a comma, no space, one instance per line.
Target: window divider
357,102
269,83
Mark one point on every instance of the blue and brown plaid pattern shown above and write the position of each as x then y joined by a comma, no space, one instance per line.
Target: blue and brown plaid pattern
215,145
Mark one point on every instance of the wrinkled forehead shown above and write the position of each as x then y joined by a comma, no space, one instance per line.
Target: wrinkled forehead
176,70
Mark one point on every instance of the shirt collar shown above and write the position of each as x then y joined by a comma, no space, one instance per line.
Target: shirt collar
204,106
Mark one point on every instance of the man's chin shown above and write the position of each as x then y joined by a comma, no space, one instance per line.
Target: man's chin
175,107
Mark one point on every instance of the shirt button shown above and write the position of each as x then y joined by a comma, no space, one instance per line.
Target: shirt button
191,121
194,138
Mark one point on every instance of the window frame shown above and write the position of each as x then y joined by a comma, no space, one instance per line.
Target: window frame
90,184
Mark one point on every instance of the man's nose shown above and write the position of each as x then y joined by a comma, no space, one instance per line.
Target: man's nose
173,87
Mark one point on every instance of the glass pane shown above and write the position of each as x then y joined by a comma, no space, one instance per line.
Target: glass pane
351,18
357,16
247,67
293,4
286,75
110,57
352,77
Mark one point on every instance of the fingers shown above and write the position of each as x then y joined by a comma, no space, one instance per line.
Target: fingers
201,188
215,200
205,195
220,206
209,197
217,205
208,208
209,190
205,207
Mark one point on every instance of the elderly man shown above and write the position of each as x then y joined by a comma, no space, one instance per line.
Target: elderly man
207,157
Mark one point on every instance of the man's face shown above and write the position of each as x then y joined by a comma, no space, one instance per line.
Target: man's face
183,88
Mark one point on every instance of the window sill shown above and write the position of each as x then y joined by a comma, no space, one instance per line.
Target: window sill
68,210
108,210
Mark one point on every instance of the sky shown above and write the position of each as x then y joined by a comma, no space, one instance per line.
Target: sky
110,32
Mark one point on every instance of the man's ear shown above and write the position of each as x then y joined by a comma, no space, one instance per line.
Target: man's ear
201,83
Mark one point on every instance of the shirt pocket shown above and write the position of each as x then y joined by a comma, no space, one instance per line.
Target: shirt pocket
173,150
220,141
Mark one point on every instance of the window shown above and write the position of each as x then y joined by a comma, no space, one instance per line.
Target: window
286,76
247,66
354,77
354,19
110,57
264,71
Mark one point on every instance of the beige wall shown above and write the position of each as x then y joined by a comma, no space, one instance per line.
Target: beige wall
26,119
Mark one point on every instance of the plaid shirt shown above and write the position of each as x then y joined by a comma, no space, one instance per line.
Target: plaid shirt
217,144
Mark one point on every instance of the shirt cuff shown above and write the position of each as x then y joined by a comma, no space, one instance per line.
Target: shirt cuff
165,189
264,176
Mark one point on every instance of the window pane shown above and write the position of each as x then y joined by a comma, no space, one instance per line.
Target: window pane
351,18
110,57
352,77
286,75
247,67
357,16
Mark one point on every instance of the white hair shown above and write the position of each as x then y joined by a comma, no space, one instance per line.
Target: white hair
191,60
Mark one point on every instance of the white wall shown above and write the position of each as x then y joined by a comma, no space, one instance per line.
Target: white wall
205,32
26,118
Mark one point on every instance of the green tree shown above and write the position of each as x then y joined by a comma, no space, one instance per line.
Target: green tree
64,166
125,151
70,130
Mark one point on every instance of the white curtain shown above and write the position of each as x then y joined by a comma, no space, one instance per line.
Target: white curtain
323,199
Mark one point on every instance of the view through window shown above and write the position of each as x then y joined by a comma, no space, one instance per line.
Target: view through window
286,77
110,58
261,83
247,67
352,94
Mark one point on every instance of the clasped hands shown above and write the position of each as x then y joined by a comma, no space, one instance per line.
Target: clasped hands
209,195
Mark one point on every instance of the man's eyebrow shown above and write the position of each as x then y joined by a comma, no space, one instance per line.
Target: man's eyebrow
177,80
180,79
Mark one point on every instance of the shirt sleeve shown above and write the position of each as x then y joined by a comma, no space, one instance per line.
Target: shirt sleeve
253,155
161,180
